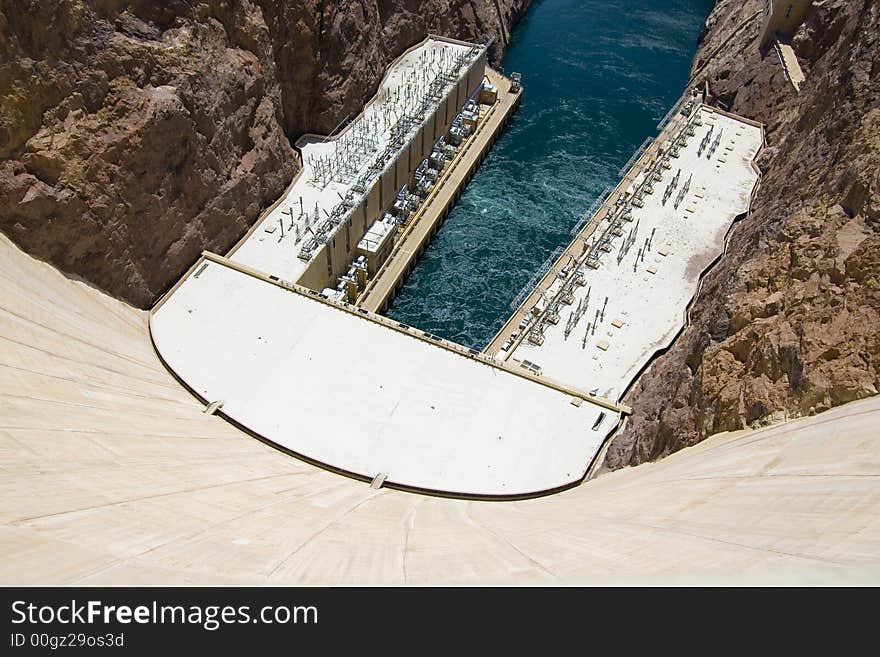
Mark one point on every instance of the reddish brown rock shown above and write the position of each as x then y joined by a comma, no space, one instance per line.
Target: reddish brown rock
133,135
788,323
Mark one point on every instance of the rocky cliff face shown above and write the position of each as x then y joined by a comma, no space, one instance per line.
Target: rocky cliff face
135,134
788,323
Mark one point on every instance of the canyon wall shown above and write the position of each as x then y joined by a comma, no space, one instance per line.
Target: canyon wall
135,134
788,323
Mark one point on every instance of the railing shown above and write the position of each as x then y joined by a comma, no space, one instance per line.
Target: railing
536,278
579,226
635,156
672,111
790,76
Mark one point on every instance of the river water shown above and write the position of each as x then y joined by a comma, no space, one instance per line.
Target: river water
598,76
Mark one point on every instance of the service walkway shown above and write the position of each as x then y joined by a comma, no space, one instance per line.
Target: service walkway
791,67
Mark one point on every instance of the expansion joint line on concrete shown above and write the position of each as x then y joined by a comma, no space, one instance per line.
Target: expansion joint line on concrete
435,342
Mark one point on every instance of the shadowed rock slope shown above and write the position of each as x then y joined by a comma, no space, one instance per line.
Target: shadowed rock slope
133,135
787,324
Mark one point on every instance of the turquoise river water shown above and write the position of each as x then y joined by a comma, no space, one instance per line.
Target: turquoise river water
598,76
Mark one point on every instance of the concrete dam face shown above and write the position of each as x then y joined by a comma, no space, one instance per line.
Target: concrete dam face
113,473
275,419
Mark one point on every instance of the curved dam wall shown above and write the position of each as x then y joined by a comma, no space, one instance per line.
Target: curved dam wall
340,387
111,473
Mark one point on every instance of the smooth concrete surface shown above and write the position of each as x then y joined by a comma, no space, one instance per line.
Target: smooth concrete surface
111,474
358,396
790,64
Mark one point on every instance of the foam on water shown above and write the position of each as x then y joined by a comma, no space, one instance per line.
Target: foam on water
598,76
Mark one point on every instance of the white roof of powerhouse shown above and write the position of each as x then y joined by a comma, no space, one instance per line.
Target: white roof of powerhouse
295,370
